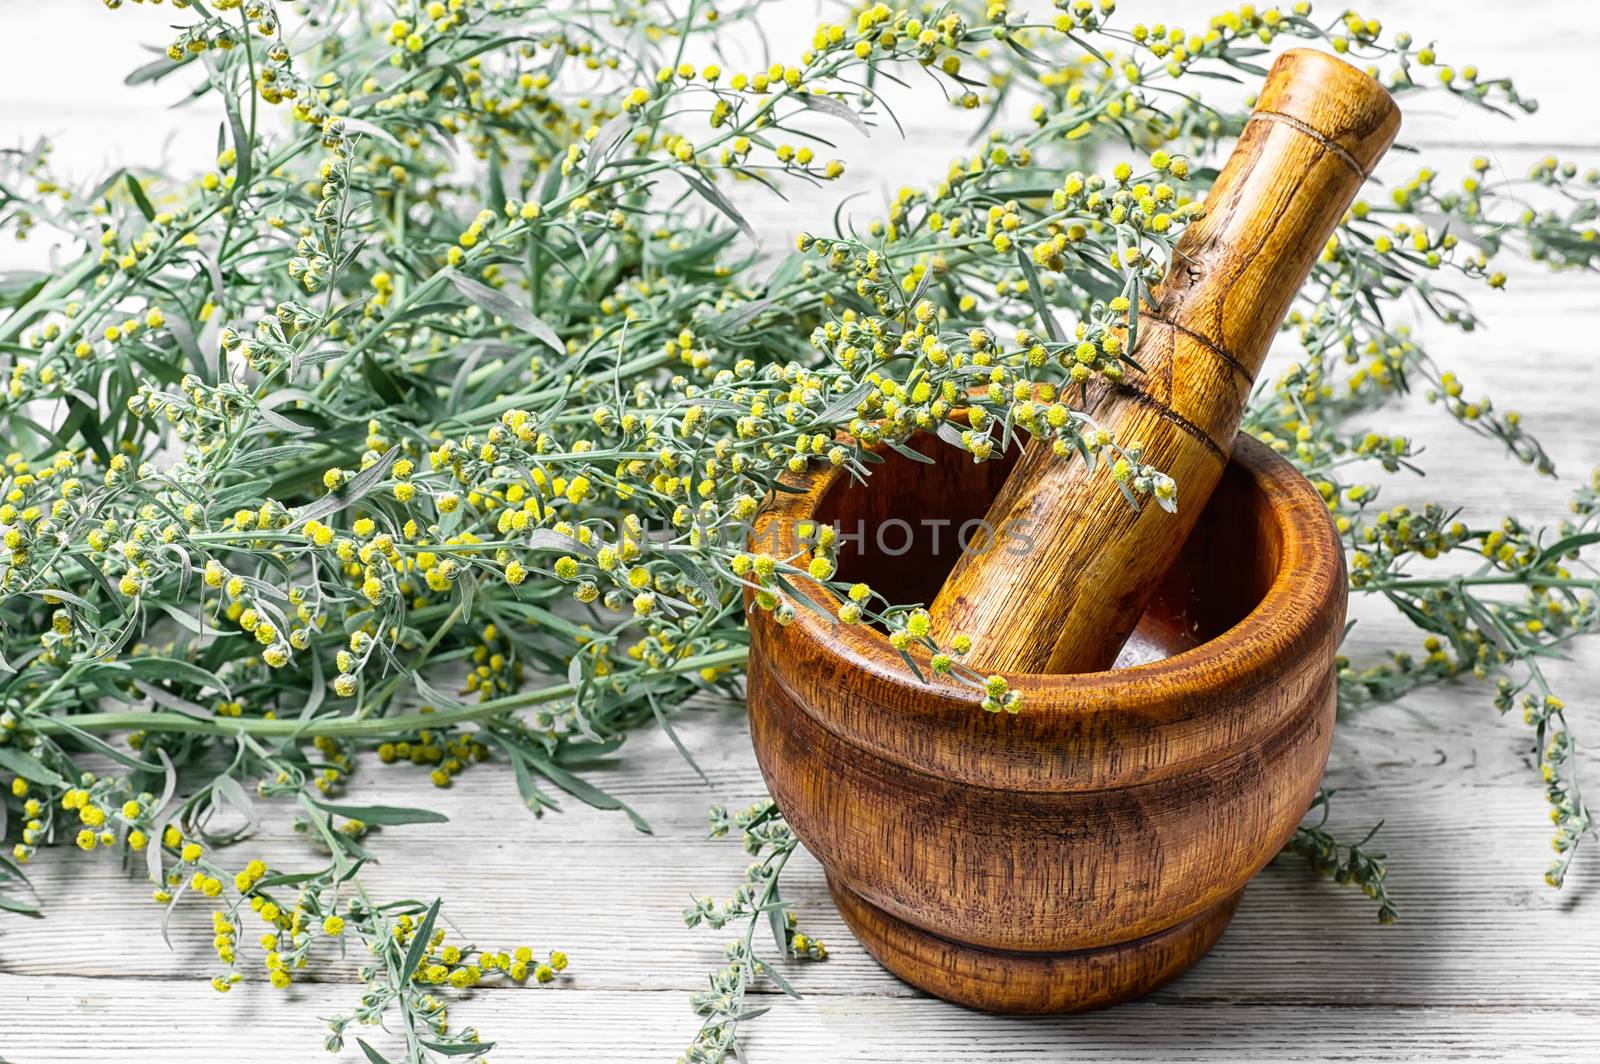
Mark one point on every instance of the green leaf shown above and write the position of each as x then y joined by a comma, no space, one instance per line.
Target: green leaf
1416,616
844,407
553,177
419,943
1486,622
495,177
391,815
613,131
17,905
160,668
783,984
372,1054
243,142
787,270
509,310
383,382
84,421
907,452
736,319
194,623
267,407
1048,320
776,921
287,879
459,1049
359,485
157,69
64,596
270,456
29,767
356,125
829,106
140,200
581,789
17,287
177,703
248,491
100,746
189,344
229,791
1086,46
533,796
1563,546
712,195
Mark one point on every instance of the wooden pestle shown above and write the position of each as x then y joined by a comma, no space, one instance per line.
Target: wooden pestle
1070,566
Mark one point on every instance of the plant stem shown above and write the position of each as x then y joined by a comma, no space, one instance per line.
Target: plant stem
349,726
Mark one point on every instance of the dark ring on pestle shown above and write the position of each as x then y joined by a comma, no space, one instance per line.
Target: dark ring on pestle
1238,367
1171,416
1294,123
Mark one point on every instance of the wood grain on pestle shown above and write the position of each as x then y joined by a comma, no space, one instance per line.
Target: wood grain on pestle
1073,565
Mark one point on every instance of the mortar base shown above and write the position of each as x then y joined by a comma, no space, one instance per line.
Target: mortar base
1019,982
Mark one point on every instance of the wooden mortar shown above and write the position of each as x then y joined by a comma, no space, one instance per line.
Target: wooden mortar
1072,565
1094,845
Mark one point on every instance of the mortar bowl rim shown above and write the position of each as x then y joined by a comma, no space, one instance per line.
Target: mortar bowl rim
1118,727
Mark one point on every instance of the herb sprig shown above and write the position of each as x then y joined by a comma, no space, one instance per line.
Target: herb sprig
416,422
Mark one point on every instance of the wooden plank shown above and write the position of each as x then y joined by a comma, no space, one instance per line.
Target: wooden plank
135,1023
1548,46
1464,833
1486,962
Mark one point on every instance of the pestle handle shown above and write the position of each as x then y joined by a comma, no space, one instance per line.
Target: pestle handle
1070,566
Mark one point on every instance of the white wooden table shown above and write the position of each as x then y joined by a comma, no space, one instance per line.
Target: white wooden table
1486,964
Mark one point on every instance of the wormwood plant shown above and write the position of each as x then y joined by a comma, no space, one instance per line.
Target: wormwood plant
420,421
